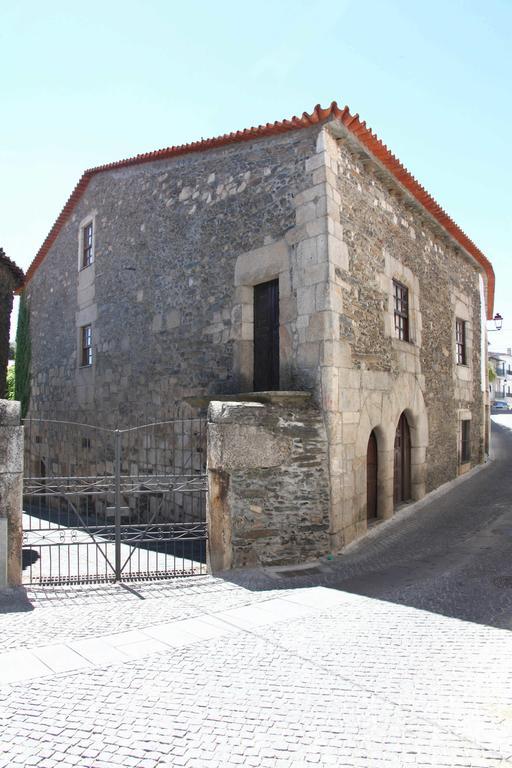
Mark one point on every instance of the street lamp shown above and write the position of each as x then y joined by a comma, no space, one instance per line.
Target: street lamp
498,323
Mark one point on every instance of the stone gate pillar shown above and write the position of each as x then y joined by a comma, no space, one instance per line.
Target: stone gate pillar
11,493
268,481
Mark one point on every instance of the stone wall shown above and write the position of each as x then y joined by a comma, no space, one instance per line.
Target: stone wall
11,492
369,376
268,482
168,316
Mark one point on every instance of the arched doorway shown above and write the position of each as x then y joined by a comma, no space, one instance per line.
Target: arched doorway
371,478
402,473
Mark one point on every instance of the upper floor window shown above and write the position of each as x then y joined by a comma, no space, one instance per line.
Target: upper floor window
87,250
401,302
86,345
460,341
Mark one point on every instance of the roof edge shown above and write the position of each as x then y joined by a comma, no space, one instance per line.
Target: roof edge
318,116
16,271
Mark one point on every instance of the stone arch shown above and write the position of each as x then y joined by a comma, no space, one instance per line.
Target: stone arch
372,478
402,489
372,421
380,413
411,403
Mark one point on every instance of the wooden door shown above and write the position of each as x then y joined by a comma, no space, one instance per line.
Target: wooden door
406,460
371,478
266,336
402,474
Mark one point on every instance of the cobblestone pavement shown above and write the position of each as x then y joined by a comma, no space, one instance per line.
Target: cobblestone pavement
403,660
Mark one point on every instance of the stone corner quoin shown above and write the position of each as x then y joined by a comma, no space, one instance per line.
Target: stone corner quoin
178,246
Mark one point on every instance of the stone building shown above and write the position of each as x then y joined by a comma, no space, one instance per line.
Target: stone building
11,278
501,387
298,255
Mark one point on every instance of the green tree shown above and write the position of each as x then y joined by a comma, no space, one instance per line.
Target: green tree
23,356
10,383
492,373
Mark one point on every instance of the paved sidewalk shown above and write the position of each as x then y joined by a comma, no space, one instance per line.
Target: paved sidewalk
45,660
312,676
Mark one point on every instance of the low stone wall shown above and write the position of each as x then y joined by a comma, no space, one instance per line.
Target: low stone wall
11,493
268,481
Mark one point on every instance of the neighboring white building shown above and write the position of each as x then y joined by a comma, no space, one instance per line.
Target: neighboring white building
501,387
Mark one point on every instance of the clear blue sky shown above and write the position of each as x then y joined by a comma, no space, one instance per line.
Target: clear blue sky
85,84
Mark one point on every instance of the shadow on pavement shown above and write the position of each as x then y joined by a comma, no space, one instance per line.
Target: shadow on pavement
15,600
452,556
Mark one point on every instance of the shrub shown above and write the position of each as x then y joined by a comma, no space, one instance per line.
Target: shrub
10,382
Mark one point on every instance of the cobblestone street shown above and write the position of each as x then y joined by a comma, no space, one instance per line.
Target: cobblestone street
396,653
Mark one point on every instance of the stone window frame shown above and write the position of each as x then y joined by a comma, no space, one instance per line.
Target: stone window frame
89,220
269,262
461,308
395,271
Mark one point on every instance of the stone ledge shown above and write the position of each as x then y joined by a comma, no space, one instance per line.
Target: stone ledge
286,397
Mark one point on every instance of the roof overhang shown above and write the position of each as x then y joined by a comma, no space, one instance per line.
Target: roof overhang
347,127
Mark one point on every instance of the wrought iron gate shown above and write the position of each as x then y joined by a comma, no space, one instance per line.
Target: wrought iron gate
111,505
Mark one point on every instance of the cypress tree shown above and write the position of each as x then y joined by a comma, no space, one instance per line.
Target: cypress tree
23,356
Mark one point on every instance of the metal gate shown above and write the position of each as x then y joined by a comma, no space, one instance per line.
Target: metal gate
114,505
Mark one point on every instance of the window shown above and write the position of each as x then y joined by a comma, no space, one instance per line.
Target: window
460,341
87,252
86,345
401,301
465,441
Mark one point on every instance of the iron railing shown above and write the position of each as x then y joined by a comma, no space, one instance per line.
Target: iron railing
112,504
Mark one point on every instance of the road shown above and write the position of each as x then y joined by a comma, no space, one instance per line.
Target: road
397,653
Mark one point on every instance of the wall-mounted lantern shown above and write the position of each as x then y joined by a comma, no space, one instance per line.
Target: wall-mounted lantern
498,323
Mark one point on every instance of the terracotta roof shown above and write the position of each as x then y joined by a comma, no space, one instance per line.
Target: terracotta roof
17,273
319,115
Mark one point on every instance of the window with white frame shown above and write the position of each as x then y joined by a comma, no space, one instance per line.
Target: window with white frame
460,341
401,310
87,255
86,345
